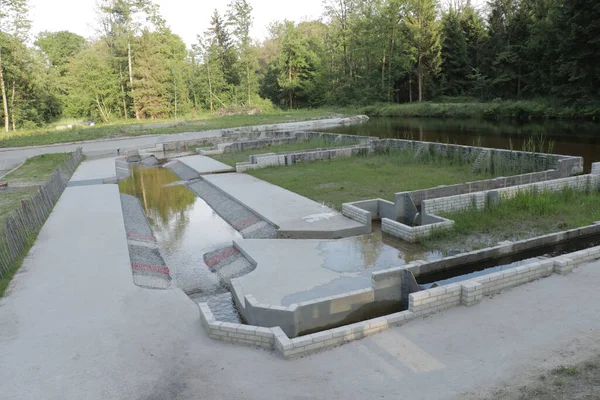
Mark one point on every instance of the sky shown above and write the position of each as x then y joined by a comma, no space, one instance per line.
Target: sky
186,18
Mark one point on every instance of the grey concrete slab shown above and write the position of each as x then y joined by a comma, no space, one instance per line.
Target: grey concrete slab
73,326
292,271
103,168
295,215
205,165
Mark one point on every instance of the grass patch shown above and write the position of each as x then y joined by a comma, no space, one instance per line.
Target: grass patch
314,143
9,275
371,176
12,200
524,216
36,170
135,128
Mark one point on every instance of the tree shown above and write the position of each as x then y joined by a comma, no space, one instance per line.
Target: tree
240,20
222,48
455,59
60,47
94,87
424,34
14,28
120,20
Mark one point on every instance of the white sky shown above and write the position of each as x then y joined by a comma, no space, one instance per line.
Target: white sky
186,18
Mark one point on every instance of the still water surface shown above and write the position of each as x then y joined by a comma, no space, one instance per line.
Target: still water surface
567,137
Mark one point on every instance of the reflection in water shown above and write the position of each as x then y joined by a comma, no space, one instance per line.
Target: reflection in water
372,252
186,228
569,137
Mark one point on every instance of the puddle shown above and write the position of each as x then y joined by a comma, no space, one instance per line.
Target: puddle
372,252
185,228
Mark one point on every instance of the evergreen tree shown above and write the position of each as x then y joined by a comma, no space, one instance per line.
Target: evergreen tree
455,59
424,34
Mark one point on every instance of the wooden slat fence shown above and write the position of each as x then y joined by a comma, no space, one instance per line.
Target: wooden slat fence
24,223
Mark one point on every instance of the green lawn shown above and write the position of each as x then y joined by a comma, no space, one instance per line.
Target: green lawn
521,217
316,143
132,127
36,170
365,177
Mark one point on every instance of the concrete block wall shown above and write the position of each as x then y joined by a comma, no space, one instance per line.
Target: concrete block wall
478,200
436,299
497,281
412,233
357,214
454,203
466,293
418,196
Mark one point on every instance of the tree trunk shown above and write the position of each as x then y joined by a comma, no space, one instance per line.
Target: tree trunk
4,100
290,80
104,116
137,113
12,106
248,83
410,89
210,93
420,77
123,91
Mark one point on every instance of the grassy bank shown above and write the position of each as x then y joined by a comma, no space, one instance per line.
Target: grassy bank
315,143
134,128
34,172
495,110
521,217
366,177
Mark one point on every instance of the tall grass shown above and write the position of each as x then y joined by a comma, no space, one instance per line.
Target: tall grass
526,215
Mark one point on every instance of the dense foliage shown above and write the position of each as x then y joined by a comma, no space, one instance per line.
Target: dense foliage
359,52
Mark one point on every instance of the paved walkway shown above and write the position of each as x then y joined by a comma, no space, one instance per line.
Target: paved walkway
73,326
11,157
296,216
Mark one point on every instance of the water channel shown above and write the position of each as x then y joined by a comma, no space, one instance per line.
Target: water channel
186,227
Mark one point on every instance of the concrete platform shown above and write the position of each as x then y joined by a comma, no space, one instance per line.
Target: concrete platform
293,271
99,169
296,216
205,165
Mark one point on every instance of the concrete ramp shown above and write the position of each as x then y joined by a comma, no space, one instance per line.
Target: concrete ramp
205,165
296,216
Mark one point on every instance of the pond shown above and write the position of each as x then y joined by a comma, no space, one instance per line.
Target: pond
561,137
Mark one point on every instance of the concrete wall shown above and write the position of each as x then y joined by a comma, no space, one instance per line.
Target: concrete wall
413,233
418,196
478,200
427,302
297,157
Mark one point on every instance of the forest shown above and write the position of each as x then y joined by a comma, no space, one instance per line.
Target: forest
359,52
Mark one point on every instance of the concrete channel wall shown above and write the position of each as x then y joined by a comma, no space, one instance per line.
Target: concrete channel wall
429,216
392,285
478,200
466,293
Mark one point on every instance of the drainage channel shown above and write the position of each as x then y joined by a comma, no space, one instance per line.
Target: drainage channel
185,228
472,270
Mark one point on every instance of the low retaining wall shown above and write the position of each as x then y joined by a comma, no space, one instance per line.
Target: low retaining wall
466,293
413,233
478,200
297,157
